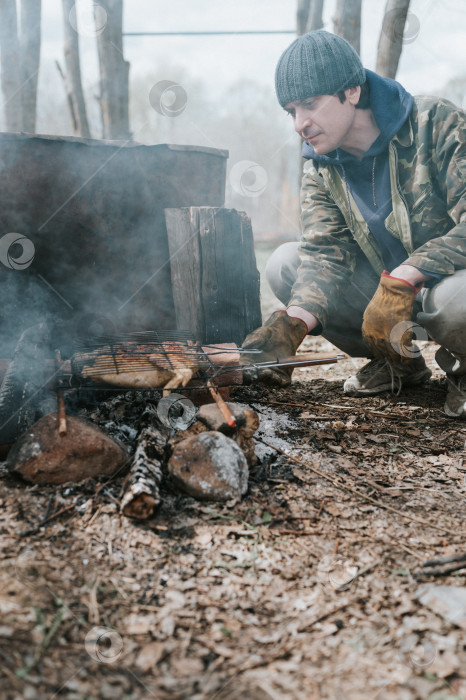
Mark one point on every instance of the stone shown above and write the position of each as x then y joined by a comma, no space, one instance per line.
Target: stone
42,456
447,601
210,418
209,466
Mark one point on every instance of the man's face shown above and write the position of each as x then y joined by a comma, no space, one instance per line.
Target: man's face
324,122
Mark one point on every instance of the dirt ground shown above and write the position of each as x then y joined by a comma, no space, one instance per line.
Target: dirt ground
306,589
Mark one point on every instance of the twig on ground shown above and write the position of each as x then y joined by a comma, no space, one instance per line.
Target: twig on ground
36,529
325,616
409,550
296,532
355,409
440,570
345,487
442,566
446,560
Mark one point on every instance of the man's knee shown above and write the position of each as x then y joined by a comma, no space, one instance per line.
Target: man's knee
444,312
282,269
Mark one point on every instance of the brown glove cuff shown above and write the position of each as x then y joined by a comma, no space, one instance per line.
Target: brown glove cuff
396,284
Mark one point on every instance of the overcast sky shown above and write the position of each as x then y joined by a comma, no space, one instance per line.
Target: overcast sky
433,53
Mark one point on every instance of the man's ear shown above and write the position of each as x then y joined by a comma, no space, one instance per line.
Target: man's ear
353,94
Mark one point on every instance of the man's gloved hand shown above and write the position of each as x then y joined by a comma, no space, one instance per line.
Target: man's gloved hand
280,336
387,324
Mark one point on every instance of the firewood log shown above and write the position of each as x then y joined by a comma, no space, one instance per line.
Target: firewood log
140,493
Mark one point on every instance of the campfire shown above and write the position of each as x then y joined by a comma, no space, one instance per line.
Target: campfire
175,300
204,448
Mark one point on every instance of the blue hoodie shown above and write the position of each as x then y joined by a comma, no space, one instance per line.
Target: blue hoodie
391,105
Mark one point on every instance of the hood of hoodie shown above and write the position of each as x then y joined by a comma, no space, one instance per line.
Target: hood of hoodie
391,105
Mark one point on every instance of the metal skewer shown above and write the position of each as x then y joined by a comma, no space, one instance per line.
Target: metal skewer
61,411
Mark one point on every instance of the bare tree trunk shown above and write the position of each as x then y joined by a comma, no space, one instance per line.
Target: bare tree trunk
309,15
347,21
391,37
302,15
114,72
315,20
30,60
73,74
11,66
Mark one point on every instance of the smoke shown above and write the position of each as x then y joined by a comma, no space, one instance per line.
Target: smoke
89,218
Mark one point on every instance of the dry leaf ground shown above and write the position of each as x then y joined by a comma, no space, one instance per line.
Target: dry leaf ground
304,590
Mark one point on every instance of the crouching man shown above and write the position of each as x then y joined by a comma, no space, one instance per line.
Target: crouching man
382,256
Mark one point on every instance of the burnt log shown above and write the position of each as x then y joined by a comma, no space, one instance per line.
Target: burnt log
141,490
215,281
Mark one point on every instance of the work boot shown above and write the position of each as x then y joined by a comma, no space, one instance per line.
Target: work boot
381,375
454,367
455,404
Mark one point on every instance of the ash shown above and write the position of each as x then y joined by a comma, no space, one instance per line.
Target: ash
271,425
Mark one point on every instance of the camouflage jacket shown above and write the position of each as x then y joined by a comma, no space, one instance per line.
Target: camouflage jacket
427,161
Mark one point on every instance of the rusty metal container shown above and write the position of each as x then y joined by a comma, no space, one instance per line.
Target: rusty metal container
94,211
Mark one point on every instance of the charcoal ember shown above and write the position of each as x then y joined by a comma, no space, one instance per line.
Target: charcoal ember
209,466
42,456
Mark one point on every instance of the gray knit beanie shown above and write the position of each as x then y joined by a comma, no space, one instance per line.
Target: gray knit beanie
318,63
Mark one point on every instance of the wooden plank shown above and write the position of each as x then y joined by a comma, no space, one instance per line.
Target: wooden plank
250,278
185,263
215,281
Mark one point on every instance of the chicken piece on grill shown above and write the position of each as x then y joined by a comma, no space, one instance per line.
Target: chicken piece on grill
171,368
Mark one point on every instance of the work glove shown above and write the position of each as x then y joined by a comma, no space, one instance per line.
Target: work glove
280,336
387,324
